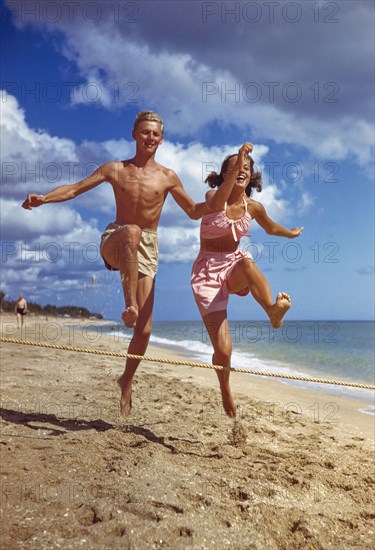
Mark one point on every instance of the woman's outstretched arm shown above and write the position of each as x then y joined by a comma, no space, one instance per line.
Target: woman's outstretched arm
258,212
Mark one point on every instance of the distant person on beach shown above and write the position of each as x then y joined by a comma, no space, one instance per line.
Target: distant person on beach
130,243
221,268
20,309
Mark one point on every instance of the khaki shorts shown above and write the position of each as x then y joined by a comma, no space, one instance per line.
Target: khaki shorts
147,251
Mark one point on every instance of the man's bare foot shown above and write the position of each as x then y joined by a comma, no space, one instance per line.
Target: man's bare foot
228,403
130,316
126,397
278,310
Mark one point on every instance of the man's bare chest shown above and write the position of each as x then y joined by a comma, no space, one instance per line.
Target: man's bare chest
142,185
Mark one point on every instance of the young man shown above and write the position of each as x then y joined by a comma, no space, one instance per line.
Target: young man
129,244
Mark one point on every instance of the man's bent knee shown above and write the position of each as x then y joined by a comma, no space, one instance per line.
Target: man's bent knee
131,232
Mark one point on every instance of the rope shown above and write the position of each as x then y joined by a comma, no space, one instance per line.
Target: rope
184,362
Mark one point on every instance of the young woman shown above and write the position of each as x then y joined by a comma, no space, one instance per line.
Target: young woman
221,268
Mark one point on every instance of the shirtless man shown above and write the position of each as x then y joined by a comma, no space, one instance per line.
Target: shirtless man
129,244
20,309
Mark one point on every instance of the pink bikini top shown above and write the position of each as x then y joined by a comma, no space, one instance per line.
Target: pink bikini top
217,224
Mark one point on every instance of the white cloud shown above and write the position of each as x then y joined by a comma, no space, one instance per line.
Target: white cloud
305,202
277,208
196,78
52,220
30,157
20,137
195,161
52,254
192,94
35,162
40,284
177,244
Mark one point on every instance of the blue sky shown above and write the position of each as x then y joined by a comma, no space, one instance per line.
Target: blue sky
295,78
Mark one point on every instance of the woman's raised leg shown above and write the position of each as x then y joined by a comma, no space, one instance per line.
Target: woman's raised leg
246,274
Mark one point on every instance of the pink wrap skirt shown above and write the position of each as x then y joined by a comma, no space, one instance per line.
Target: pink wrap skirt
209,279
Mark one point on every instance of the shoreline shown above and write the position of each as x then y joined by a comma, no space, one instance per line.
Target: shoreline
364,397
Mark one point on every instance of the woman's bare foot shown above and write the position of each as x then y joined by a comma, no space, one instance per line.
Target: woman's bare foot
278,310
228,403
130,316
126,396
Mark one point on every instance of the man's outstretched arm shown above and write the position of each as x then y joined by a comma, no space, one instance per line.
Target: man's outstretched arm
67,192
192,209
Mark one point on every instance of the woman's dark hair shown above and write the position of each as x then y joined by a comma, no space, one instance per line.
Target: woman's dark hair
215,180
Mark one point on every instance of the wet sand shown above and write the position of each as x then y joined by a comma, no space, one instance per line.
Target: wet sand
295,470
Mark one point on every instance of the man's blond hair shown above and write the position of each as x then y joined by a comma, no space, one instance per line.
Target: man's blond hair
148,115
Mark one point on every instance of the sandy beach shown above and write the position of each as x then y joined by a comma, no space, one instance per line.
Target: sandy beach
294,471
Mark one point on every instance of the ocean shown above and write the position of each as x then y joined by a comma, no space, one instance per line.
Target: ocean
335,350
